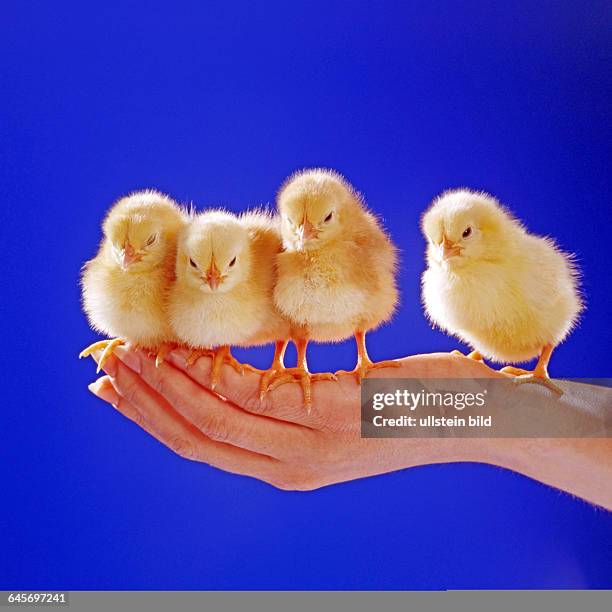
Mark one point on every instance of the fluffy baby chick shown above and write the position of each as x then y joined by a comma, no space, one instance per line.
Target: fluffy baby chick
125,287
507,293
336,275
222,297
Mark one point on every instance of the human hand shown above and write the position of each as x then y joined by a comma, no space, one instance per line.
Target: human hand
275,440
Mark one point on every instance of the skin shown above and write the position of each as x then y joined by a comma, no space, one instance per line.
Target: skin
277,441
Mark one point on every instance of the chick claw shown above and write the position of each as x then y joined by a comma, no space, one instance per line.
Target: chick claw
267,377
106,346
162,352
522,376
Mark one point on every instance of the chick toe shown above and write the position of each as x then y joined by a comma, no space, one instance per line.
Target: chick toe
276,368
270,376
265,381
305,382
538,375
197,353
475,355
162,352
279,378
514,371
534,377
224,355
323,376
301,375
364,363
92,348
363,367
110,346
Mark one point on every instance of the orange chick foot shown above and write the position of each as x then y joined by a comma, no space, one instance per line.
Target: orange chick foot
514,371
197,353
106,346
475,355
268,377
364,366
224,355
301,375
522,376
163,351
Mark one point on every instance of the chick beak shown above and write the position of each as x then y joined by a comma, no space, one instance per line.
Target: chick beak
128,256
213,277
449,249
307,231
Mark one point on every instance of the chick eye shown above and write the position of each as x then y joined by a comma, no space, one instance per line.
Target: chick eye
329,217
231,263
193,263
151,239
467,232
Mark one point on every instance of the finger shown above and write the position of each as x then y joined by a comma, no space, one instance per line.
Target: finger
156,417
440,365
104,389
285,403
217,418
156,422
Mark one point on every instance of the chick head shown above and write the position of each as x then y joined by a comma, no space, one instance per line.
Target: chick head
214,253
463,226
314,205
140,230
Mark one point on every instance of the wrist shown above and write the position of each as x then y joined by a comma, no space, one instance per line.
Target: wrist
459,450
426,451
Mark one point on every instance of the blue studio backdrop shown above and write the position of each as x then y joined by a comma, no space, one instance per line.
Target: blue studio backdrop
216,103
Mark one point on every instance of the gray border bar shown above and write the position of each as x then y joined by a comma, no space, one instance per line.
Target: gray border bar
339,601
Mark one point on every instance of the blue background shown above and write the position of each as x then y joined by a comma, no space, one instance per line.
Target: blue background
217,103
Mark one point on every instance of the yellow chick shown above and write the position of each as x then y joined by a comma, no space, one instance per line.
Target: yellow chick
509,294
125,287
222,297
336,275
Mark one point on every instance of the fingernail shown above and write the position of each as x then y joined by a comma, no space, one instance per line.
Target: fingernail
130,358
104,392
110,366
177,359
